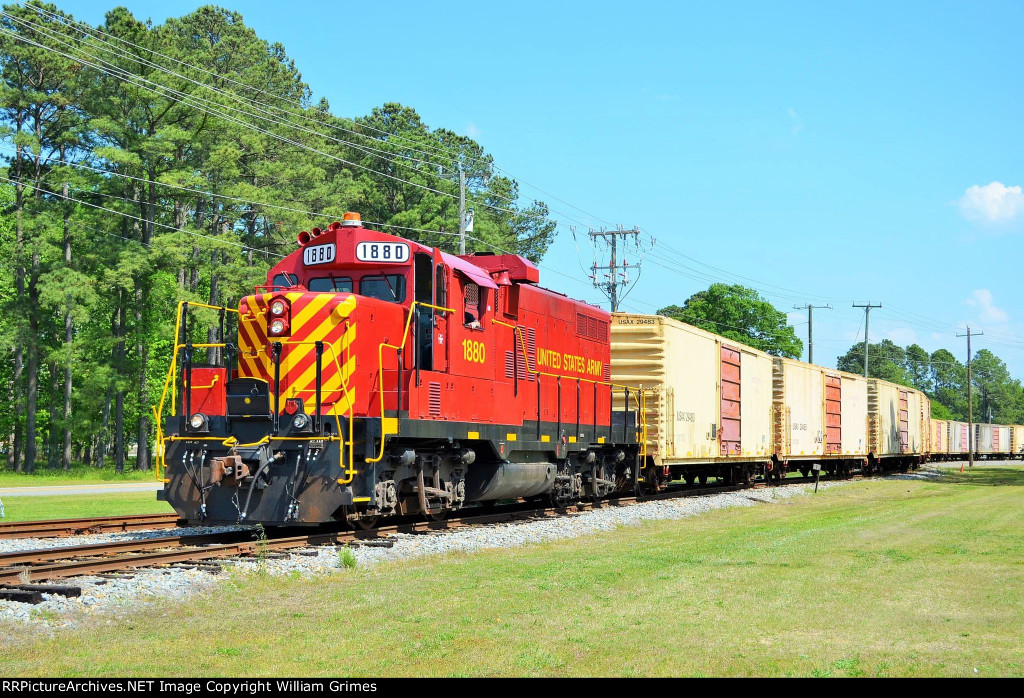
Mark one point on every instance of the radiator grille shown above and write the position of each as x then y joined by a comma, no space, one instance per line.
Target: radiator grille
435,399
591,327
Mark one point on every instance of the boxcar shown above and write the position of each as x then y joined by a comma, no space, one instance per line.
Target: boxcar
939,447
896,419
709,399
818,416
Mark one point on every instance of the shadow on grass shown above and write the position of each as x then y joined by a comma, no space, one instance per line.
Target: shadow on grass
1002,476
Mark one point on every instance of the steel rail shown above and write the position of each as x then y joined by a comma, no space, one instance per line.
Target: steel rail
54,528
31,565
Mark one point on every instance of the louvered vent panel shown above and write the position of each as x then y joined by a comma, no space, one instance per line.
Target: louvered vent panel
510,365
607,372
531,350
435,399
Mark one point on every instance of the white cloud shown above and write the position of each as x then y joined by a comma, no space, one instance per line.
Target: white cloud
987,311
798,126
993,203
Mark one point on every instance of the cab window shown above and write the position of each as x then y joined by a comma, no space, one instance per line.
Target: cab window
389,287
475,305
285,280
327,284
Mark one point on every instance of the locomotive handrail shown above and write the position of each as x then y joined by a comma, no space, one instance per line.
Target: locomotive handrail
174,356
639,394
380,368
232,441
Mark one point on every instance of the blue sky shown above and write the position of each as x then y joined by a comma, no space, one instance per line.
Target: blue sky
827,152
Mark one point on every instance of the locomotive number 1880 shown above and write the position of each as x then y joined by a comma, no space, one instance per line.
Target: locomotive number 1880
473,351
382,252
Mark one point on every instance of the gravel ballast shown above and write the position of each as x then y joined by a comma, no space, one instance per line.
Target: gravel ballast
115,596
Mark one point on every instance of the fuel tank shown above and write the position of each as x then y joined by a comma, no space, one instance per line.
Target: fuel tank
504,480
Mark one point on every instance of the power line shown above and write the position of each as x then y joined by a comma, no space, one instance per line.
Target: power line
436,150
388,155
610,287
219,241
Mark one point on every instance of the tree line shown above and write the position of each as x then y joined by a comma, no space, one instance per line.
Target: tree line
740,313
148,164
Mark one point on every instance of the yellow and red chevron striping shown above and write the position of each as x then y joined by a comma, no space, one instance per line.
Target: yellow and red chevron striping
315,317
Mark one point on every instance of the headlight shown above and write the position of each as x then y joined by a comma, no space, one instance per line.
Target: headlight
300,421
198,421
278,307
277,326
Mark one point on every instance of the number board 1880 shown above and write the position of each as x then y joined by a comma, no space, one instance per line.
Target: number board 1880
318,254
382,252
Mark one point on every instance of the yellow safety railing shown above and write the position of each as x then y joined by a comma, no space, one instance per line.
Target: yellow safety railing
232,441
639,395
380,366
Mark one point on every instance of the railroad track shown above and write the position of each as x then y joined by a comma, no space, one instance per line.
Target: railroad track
24,568
56,528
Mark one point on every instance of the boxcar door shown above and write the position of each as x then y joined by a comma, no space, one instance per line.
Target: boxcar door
833,414
904,422
731,404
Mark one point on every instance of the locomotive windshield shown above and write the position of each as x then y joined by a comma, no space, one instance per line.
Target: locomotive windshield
327,284
386,287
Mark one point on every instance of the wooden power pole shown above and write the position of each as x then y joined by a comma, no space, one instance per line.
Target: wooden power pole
611,286
867,317
810,327
970,398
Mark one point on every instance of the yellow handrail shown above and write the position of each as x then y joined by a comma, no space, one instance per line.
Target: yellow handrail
231,441
158,411
380,368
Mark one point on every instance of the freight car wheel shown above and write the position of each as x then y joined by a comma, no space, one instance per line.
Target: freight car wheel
702,479
689,479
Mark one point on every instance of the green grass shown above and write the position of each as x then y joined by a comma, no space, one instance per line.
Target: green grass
875,578
77,475
69,506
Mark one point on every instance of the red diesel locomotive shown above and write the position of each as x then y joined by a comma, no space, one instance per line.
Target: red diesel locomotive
375,376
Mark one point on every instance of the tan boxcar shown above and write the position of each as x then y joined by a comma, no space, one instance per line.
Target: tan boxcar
958,439
992,440
819,415
1017,439
709,399
939,437
896,419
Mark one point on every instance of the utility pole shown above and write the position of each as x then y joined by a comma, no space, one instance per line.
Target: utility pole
867,317
970,399
611,288
810,327
462,210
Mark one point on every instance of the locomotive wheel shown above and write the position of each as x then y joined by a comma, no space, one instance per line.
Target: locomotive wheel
437,515
365,523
